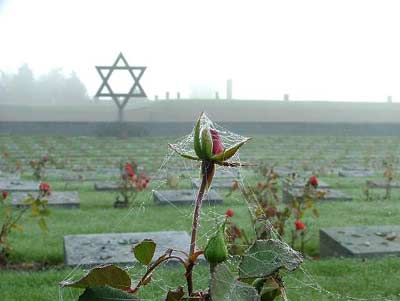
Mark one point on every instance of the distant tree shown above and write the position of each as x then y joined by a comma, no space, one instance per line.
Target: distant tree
74,91
20,88
3,90
50,87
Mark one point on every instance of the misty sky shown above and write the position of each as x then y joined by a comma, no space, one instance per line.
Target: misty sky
330,50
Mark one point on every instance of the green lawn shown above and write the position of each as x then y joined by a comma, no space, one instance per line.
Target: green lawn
327,279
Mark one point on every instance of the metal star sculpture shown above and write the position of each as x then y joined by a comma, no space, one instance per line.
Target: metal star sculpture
120,99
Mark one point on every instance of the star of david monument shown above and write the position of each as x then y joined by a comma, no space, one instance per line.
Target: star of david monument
120,98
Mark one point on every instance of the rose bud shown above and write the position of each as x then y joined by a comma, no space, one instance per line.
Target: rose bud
313,181
4,194
216,250
299,225
229,213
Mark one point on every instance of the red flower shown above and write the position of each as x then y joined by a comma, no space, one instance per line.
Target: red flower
313,181
45,188
229,212
4,194
299,225
129,172
217,142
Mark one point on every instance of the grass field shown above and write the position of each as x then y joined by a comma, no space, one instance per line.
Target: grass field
327,279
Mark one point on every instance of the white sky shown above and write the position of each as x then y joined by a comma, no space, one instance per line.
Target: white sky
330,50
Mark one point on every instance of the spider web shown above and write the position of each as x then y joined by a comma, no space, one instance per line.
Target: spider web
187,171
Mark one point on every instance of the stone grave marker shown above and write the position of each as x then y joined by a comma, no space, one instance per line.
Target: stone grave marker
221,183
359,173
284,172
330,195
226,173
17,185
184,197
106,186
382,184
360,241
9,177
60,199
300,183
116,248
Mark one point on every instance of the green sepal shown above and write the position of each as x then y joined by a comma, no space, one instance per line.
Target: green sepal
184,155
216,250
197,143
206,143
229,152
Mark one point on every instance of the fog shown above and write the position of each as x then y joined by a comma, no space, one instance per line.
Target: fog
311,50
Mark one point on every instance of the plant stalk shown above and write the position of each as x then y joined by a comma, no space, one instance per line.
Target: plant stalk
205,169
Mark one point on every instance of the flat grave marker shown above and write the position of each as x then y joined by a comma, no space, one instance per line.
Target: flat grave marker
184,197
59,199
106,186
17,185
116,248
360,241
330,195
382,184
355,173
300,183
222,183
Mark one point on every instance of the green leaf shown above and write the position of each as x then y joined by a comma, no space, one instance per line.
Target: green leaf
265,257
105,294
144,251
206,143
175,295
228,153
108,275
197,144
268,288
43,225
224,286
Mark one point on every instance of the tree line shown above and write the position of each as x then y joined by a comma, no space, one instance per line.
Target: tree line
51,88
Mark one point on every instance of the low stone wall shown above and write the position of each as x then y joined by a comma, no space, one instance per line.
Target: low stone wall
181,128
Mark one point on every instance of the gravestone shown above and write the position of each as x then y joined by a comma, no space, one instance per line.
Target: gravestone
353,167
360,241
64,199
17,185
9,177
300,183
184,197
106,186
116,248
222,183
226,173
284,172
330,195
359,173
382,184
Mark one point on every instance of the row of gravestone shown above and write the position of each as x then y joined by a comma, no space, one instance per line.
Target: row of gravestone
115,248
